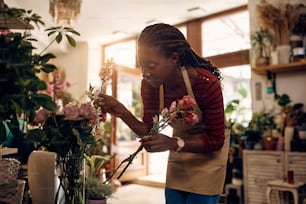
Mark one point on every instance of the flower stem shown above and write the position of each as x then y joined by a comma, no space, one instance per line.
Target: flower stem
129,160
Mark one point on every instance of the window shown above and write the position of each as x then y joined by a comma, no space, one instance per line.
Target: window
227,33
222,35
123,53
236,79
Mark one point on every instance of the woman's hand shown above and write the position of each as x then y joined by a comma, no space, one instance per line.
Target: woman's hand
111,105
158,143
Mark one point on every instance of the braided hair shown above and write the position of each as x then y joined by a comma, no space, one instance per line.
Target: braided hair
168,39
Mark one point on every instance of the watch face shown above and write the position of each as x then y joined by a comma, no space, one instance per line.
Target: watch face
180,142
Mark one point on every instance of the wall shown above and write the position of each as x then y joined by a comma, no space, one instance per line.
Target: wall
292,84
75,63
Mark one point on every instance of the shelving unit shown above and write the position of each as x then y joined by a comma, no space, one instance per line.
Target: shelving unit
281,68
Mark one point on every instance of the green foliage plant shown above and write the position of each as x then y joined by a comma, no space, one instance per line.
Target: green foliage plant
20,65
261,40
97,187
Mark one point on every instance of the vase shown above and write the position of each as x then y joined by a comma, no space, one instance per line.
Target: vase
71,174
102,201
283,54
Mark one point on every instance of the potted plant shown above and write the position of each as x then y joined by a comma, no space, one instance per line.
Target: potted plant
97,192
261,41
264,124
97,187
20,66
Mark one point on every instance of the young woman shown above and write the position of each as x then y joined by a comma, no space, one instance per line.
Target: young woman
198,155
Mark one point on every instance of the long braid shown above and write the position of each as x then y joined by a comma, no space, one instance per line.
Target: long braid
169,39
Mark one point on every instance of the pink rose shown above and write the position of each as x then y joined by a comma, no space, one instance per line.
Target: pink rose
71,111
173,107
85,110
40,116
187,103
191,118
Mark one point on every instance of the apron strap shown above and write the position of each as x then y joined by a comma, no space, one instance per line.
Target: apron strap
187,85
161,97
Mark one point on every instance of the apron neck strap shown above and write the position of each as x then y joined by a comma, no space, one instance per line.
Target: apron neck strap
187,85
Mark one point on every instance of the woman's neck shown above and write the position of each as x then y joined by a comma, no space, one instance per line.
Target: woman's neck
175,85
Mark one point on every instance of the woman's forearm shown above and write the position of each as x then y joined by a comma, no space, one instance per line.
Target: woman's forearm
137,126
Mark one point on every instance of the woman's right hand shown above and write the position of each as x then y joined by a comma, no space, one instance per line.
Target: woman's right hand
111,105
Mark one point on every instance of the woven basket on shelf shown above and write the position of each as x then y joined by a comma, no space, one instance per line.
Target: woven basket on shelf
8,179
9,170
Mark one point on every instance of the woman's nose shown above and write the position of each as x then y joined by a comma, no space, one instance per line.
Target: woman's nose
146,74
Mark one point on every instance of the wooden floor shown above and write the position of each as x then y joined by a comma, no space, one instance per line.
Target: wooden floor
137,194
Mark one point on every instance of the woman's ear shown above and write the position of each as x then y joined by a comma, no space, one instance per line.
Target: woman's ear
175,57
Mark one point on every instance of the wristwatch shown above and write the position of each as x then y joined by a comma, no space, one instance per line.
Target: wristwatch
180,143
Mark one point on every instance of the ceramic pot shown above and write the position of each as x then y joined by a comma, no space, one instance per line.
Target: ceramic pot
269,143
103,201
283,54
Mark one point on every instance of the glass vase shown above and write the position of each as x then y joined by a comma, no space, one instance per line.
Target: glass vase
71,174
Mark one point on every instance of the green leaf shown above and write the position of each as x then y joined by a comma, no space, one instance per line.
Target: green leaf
41,85
48,68
45,58
59,37
77,134
45,101
71,41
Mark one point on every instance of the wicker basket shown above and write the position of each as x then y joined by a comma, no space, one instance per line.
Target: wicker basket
8,179
9,170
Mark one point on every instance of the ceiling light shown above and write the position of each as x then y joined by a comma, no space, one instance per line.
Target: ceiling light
65,12
153,21
196,11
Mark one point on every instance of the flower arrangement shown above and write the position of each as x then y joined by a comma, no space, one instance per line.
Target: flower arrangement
184,110
69,132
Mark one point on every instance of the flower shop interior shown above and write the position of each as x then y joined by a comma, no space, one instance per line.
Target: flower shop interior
78,48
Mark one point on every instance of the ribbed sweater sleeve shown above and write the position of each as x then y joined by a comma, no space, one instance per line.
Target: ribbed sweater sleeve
208,93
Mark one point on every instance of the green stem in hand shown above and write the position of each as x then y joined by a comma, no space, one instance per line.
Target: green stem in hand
129,160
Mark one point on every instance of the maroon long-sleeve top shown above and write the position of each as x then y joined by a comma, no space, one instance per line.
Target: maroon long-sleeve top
208,94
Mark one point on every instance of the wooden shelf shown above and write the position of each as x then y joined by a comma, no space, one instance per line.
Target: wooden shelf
281,68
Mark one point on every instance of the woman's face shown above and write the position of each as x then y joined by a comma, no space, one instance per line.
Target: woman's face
156,68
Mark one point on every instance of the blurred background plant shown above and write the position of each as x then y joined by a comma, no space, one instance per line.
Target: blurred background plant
96,184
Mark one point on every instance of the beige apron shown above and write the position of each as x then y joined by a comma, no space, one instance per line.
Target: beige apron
191,172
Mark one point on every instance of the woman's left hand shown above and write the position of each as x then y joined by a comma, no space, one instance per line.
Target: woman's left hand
158,143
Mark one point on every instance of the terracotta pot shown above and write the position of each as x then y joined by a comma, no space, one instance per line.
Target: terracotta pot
103,201
269,143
